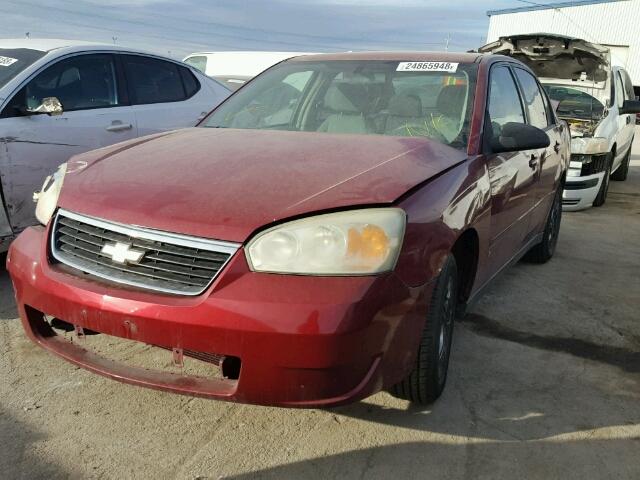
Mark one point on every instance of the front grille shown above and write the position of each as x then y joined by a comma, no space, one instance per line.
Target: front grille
169,263
570,201
597,164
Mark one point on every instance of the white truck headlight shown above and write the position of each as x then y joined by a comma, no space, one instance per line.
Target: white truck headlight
356,242
47,198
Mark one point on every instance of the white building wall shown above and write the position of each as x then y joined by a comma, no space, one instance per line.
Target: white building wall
611,23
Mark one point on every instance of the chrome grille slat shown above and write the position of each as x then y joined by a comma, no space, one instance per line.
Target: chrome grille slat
171,263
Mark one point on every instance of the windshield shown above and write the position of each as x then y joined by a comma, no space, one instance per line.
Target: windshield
575,103
15,60
357,97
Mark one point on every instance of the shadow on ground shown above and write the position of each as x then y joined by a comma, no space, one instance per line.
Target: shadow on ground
561,459
17,456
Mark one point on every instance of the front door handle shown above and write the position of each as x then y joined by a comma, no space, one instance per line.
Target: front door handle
533,161
556,147
628,119
118,126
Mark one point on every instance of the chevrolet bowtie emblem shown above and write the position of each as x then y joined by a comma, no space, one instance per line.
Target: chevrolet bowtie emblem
122,253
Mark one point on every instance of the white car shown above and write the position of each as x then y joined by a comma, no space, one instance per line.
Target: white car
594,97
59,98
236,68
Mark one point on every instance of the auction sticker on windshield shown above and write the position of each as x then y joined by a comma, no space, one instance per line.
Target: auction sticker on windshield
6,61
427,67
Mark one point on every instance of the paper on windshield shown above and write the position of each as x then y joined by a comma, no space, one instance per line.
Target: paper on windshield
6,61
448,67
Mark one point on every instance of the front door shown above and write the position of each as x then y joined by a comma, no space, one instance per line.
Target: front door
626,122
32,146
513,175
550,159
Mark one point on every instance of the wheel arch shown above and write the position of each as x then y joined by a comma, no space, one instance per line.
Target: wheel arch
466,251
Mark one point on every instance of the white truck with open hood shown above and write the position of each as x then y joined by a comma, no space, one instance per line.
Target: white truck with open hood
594,97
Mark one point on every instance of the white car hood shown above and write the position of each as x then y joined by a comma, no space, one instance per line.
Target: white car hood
556,56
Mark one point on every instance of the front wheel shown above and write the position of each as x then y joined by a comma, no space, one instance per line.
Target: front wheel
426,382
543,251
620,175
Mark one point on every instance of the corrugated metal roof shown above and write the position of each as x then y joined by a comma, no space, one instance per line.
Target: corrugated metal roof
549,6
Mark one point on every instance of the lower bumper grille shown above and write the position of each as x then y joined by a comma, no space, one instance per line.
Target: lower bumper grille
138,257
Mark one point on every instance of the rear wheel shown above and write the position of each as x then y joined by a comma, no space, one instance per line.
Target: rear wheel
543,251
604,186
426,382
620,175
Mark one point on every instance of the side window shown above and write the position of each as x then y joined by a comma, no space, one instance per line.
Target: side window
191,84
628,85
620,93
504,100
151,80
80,83
533,98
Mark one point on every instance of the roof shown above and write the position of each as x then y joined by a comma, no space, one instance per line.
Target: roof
393,56
50,44
42,44
549,6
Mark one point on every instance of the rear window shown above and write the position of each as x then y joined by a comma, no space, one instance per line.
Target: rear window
574,103
15,60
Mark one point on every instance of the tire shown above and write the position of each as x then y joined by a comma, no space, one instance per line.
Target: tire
604,186
620,175
427,380
543,251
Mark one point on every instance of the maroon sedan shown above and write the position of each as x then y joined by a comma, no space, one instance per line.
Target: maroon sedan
308,244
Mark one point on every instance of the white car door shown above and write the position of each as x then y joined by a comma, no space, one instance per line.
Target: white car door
167,95
33,145
626,123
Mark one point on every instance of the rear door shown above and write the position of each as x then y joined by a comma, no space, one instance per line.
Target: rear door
513,175
95,115
548,161
165,95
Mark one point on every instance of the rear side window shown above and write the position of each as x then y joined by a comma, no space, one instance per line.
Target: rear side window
504,100
191,85
199,62
533,98
152,80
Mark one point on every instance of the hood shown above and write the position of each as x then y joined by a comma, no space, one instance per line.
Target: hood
556,56
226,183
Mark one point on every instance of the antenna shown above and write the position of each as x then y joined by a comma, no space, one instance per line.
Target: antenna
115,39
27,35
447,40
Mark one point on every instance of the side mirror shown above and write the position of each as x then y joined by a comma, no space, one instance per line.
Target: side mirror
630,106
519,136
49,105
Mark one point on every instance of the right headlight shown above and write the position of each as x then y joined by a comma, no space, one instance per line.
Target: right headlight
355,242
47,197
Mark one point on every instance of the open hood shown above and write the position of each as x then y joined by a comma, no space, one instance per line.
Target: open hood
556,56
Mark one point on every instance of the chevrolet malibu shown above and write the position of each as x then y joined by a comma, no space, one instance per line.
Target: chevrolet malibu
311,241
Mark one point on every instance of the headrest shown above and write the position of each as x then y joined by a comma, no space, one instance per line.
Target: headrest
405,106
346,98
451,100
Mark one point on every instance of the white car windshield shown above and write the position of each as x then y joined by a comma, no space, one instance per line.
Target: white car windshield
15,60
357,97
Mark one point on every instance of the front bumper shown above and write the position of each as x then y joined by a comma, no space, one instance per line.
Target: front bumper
580,192
302,341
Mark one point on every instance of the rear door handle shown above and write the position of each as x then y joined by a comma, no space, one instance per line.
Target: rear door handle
628,119
118,126
556,147
533,161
